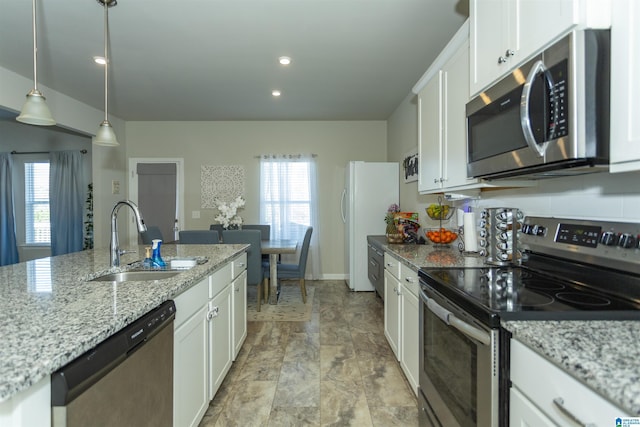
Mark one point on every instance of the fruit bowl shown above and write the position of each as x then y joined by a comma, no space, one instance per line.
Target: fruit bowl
441,236
439,212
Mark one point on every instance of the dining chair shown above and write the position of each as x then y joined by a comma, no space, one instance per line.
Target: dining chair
255,272
217,227
265,230
295,271
153,232
199,237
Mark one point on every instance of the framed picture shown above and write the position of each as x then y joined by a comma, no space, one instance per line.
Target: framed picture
410,165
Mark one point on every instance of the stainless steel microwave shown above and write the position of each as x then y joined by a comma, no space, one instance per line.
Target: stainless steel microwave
549,117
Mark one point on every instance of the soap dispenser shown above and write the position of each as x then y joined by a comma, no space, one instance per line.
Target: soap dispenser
156,258
147,262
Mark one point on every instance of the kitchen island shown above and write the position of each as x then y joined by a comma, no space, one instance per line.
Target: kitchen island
600,354
51,313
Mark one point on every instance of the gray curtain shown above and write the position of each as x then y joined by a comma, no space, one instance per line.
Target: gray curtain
66,201
8,244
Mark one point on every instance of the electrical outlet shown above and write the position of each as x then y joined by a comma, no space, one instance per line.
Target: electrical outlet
115,187
195,214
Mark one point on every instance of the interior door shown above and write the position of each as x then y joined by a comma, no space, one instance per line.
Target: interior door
157,188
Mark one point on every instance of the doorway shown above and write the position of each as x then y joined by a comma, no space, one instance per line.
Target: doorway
156,185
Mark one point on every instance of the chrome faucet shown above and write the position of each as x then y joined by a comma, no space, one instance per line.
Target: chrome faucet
114,246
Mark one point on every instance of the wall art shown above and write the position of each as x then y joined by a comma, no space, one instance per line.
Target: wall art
410,166
223,183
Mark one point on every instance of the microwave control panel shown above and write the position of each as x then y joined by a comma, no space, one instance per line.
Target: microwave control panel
558,94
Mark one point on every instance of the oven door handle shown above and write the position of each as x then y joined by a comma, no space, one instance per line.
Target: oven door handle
450,319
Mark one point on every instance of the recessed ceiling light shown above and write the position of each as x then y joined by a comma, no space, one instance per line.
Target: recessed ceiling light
276,93
284,60
99,60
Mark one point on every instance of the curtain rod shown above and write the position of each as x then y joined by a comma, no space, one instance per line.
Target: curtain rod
83,151
283,155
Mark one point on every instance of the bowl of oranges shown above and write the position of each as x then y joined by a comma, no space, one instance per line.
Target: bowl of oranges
441,236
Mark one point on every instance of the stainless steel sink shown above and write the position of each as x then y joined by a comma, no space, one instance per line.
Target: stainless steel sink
136,276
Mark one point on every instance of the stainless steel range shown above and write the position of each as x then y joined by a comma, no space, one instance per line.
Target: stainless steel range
568,270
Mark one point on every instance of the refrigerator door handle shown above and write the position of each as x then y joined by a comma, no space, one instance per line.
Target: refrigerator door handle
342,205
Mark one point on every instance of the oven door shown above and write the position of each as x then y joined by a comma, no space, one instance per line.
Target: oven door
459,376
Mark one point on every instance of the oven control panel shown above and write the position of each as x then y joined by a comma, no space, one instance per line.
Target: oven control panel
611,244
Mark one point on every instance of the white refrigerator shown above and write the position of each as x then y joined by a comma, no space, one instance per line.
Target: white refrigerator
370,187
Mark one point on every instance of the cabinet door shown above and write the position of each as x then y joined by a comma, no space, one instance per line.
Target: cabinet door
392,312
625,86
456,96
489,41
524,413
430,135
220,341
410,337
540,22
239,302
190,364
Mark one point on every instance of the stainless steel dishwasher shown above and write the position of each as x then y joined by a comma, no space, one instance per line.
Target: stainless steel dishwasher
125,381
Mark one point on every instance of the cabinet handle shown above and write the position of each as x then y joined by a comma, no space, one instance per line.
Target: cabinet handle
559,403
213,313
502,60
241,264
408,279
509,53
238,289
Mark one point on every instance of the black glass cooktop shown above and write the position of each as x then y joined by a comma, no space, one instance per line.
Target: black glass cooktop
520,293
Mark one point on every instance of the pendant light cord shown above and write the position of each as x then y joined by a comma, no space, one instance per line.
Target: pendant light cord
35,46
106,58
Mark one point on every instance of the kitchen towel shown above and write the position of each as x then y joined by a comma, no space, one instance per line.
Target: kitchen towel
470,232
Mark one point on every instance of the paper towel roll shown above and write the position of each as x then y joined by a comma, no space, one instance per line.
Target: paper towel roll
470,232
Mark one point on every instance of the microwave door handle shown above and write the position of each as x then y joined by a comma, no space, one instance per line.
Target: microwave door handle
525,121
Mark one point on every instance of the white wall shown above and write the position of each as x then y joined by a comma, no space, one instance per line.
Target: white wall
108,163
239,143
605,196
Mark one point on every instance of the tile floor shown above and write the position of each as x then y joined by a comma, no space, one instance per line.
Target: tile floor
335,370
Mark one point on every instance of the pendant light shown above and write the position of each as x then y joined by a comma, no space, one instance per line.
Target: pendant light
35,110
105,135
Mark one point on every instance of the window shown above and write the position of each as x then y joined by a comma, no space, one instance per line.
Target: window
36,205
287,195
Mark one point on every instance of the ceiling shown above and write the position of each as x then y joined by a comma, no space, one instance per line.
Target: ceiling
217,59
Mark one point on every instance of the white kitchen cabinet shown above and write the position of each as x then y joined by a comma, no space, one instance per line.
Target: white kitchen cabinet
31,407
392,311
409,326
190,356
625,87
543,394
442,145
220,316
220,350
401,324
505,33
239,302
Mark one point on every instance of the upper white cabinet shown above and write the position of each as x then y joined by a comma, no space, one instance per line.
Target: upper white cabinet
442,145
625,86
504,33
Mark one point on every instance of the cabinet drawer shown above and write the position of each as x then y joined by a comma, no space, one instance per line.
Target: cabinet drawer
392,265
190,301
542,382
409,279
238,265
220,279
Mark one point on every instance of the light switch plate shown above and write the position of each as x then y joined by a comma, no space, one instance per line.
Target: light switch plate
195,214
115,187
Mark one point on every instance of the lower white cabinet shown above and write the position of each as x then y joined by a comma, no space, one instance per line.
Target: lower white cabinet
190,355
210,328
401,322
220,358
542,394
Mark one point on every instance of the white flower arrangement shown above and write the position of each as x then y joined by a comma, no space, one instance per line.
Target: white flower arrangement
228,215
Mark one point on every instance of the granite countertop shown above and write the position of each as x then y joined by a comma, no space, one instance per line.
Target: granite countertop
50,313
603,355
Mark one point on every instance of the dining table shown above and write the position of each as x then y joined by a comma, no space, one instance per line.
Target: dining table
273,248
